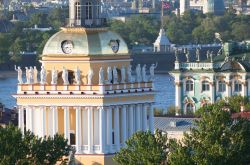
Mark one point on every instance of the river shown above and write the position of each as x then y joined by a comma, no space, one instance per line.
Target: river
164,85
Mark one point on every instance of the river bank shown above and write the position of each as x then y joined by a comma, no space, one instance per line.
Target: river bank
7,74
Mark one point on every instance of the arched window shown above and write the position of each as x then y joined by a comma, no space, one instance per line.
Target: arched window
189,108
205,86
78,11
189,85
98,9
88,10
221,86
237,86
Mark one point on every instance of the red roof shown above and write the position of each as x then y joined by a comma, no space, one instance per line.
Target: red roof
245,115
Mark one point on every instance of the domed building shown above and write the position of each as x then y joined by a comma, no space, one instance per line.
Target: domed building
85,89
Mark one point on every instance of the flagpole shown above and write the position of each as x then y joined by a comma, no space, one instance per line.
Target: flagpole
162,14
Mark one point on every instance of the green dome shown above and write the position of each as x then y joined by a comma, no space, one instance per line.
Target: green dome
85,42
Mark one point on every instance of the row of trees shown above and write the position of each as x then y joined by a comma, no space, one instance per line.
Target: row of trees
192,27
216,138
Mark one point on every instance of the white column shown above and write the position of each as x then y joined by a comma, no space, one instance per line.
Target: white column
131,120
144,117
177,97
54,117
21,119
213,93
124,124
102,129
66,124
117,128
90,129
109,129
151,119
138,117
78,129
244,89
43,130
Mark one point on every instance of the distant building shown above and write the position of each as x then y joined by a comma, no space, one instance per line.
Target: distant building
198,84
162,43
8,116
216,7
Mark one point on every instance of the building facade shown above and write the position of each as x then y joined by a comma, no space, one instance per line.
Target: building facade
198,84
86,90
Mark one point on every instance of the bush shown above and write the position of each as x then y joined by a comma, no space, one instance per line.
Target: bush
171,110
158,112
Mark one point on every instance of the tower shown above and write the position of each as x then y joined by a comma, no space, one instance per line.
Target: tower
86,90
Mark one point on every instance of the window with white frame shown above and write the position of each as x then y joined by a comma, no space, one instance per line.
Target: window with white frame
221,86
237,86
189,85
88,10
205,86
190,108
78,10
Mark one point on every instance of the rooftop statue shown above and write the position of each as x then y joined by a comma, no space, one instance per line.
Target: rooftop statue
78,76
176,53
101,76
115,75
19,74
138,73
109,71
54,76
31,75
144,75
123,74
90,76
43,75
35,75
65,75
188,56
197,53
129,73
152,71
27,75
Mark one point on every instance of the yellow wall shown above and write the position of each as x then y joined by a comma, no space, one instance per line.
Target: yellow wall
95,160
60,120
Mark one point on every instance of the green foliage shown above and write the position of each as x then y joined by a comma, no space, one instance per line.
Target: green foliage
215,139
16,148
158,112
144,148
171,110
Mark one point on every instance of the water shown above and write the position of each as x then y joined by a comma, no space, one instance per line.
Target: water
164,86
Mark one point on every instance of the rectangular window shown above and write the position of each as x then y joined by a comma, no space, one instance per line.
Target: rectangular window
205,87
222,87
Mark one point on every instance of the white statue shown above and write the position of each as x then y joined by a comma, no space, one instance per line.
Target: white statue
27,75
65,76
129,73
54,77
138,73
152,71
19,74
197,54
109,71
208,53
211,56
123,74
31,75
176,55
35,75
78,76
188,56
43,75
101,76
115,75
144,75
90,76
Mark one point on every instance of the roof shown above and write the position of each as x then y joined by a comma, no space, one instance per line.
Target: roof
173,124
86,42
236,66
162,39
245,115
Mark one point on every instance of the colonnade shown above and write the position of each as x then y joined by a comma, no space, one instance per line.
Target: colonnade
102,129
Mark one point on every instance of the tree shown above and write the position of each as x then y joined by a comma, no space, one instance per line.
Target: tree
16,148
216,139
4,47
144,148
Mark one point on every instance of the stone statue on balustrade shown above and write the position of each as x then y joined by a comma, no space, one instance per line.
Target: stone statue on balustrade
27,75
123,74
42,75
54,76
90,76
77,76
197,53
115,75
211,56
31,75
129,74
188,56
109,74
19,74
35,75
65,76
152,71
176,53
208,54
101,76
138,73
144,74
